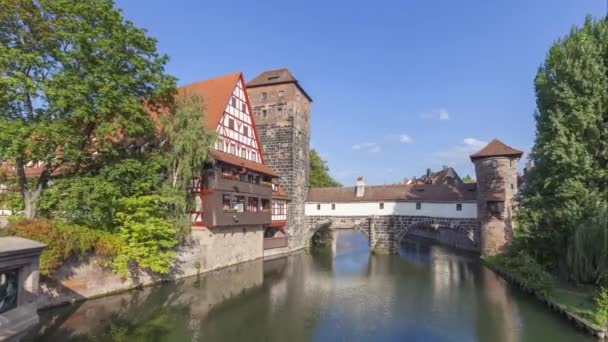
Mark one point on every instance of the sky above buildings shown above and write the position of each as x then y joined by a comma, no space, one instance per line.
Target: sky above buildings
398,86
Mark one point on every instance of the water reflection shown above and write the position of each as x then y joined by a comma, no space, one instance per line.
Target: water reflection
426,293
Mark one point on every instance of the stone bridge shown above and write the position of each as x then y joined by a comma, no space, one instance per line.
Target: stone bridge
385,233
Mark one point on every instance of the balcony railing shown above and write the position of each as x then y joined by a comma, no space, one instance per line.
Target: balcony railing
275,242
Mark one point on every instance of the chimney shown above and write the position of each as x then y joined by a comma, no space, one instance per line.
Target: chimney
360,187
428,172
445,167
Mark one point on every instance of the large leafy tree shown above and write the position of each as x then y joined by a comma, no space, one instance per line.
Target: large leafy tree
73,75
319,172
570,153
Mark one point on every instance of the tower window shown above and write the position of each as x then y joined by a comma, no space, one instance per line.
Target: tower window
264,96
333,206
418,205
281,93
459,207
381,205
495,207
280,110
264,112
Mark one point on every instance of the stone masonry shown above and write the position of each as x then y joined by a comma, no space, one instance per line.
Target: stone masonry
386,232
496,182
282,116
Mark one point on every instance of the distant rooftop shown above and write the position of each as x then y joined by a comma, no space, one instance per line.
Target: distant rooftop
396,192
276,76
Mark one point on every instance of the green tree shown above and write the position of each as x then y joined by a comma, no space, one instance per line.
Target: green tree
570,152
73,77
468,179
189,142
319,172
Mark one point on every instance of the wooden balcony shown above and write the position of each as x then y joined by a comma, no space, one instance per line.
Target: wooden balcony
232,218
275,242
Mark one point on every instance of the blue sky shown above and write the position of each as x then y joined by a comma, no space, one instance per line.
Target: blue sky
398,86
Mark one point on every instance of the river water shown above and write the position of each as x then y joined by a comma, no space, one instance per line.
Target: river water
340,293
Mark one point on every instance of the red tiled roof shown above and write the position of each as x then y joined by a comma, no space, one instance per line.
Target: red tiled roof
216,93
241,162
396,192
496,148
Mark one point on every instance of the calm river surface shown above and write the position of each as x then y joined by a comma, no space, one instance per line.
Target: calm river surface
426,293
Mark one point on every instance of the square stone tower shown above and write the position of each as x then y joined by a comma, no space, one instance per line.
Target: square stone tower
281,110
496,172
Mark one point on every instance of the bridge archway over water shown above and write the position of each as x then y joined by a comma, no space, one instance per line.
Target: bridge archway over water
385,233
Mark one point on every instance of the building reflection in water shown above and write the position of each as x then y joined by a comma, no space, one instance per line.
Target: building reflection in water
427,293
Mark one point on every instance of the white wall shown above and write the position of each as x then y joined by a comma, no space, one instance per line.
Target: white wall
446,210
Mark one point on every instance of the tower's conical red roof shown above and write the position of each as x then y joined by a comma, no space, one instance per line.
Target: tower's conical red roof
496,148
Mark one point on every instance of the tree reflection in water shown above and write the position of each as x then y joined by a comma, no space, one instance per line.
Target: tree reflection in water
426,293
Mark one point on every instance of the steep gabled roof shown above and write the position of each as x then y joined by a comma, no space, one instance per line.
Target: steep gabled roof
496,148
216,93
397,192
276,76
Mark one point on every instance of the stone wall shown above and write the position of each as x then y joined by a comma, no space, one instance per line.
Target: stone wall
386,232
283,126
496,181
206,250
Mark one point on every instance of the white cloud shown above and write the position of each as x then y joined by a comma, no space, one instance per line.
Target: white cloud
458,155
370,147
441,114
402,138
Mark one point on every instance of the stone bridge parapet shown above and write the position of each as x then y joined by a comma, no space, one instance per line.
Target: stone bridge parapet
385,233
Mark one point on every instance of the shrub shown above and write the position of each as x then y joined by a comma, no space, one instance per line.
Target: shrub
601,302
148,237
525,270
63,241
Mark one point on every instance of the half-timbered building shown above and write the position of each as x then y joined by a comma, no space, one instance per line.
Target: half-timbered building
237,189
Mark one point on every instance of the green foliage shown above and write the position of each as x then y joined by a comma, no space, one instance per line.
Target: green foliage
319,172
64,240
587,255
189,141
570,153
468,179
74,74
147,235
525,270
91,199
601,302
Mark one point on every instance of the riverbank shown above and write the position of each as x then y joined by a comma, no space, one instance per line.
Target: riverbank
575,304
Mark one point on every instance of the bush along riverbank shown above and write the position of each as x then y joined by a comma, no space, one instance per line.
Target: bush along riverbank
585,306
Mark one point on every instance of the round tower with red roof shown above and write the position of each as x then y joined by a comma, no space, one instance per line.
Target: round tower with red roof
496,172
